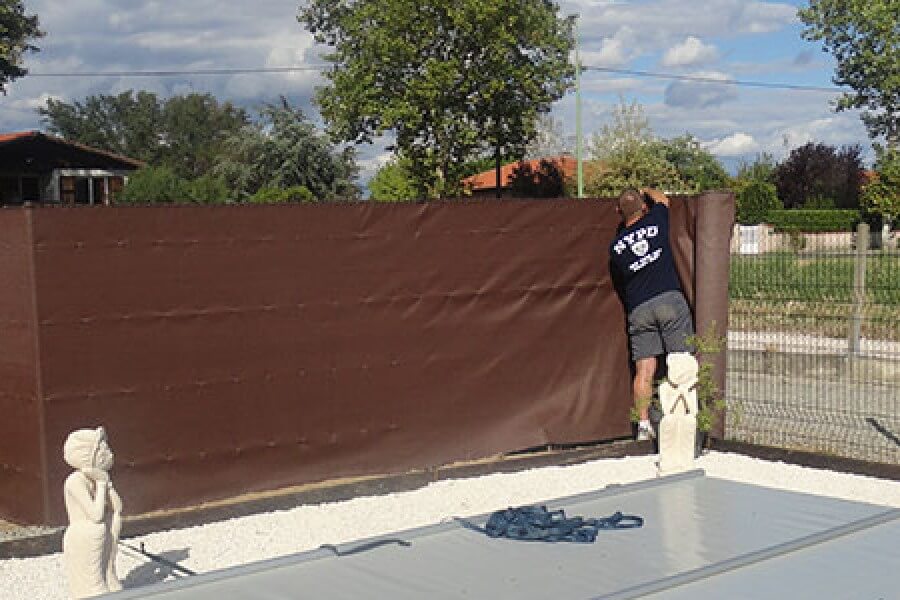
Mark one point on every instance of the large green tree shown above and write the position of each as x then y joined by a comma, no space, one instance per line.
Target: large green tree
864,38
184,133
282,150
450,78
17,31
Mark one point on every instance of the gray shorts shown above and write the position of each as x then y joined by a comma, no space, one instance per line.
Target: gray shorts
659,326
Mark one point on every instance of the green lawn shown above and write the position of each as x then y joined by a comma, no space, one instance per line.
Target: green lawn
787,276
814,294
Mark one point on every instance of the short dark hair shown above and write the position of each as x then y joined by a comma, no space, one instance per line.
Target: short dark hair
631,202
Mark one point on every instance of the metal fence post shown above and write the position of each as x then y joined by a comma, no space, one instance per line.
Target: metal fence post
859,286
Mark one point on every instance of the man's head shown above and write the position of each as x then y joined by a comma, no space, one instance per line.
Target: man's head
631,205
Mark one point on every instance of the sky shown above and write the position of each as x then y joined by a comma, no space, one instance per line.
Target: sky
719,39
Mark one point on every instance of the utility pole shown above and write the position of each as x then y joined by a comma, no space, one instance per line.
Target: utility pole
578,141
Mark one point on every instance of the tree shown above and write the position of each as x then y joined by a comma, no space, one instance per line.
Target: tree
185,133
450,78
628,128
393,182
864,38
631,156
549,140
283,150
17,30
547,180
817,173
882,195
697,167
754,201
761,169
195,127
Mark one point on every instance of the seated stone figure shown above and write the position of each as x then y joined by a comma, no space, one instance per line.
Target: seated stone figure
95,515
678,427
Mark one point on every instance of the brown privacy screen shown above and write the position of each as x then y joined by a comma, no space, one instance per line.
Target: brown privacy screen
239,348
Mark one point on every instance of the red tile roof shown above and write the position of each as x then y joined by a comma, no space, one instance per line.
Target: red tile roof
18,135
488,179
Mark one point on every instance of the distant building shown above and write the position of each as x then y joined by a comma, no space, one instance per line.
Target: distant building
540,177
41,168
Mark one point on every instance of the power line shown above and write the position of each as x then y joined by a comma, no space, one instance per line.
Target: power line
307,68
177,73
701,79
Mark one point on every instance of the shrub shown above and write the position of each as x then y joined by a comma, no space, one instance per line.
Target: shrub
819,203
266,195
755,201
272,195
813,221
208,190
298,193
710,398
882,196
152,185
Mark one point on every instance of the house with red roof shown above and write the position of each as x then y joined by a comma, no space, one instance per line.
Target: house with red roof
539,177
41,168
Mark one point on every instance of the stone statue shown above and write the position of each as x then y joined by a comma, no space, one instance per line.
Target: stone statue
95,516
678,427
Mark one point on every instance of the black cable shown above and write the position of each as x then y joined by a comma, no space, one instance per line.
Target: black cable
701,79
176,73
275,70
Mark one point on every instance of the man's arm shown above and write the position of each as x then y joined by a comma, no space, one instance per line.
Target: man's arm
657,196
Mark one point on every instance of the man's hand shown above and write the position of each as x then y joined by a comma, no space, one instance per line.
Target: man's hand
657,196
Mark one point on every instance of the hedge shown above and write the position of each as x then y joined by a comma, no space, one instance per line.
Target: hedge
813,221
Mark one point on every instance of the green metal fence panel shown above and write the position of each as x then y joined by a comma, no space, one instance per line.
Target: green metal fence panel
814,342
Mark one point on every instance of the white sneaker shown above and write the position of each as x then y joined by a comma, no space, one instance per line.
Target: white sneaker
645,432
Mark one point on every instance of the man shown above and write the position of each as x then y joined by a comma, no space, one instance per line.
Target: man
659,320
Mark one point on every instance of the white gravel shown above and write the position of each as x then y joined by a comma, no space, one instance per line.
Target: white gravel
259,537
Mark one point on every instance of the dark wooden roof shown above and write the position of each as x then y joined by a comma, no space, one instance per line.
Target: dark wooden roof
36,151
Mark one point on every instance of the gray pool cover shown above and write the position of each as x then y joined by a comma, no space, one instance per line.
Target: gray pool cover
702,538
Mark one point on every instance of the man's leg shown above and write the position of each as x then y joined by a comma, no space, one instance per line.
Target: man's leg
676,324
642,388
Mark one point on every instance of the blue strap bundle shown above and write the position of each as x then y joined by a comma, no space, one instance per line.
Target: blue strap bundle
536,523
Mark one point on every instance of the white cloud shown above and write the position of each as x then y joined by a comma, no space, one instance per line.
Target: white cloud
614,51
663,22
691,52
763,17
33,103
736,144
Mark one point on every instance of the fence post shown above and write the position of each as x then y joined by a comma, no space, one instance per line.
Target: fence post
859,286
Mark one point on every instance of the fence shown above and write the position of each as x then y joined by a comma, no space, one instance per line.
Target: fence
814,343
230,349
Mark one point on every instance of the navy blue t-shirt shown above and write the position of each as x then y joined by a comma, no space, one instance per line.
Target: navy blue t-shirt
642,255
